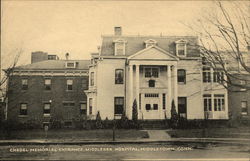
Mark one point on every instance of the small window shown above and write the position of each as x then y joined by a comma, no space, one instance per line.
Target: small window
182,106
90,105
218,77
207,101
119,105
23,109
85,83
69,84
181,49
83,109
151,83
120,48
119,76
206,74
244,108
47,83
242,82
148,106
70,64
155,106
24,84
151,95
181,76
46,109
151,72
219,102
92,79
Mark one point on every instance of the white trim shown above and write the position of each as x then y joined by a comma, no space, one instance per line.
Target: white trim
156,47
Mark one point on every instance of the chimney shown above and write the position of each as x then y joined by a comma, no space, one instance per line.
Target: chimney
118,31
67,56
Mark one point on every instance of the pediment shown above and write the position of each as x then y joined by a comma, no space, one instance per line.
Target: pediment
153,53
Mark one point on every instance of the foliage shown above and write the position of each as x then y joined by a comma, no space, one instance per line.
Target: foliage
134,112
174,116
98,123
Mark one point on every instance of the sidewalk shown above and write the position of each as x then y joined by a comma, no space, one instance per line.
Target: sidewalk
155,136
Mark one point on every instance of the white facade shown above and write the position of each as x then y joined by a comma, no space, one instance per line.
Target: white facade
149,76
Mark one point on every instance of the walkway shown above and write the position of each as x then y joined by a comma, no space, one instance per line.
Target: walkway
158,135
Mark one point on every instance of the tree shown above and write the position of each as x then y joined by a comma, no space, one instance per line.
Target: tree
135,112
224,34
174,116
98,122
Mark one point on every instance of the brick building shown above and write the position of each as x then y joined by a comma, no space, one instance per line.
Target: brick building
48,90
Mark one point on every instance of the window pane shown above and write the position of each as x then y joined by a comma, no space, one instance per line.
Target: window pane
155,72
148,106
47,81
147,72
181,75
155,106
119,76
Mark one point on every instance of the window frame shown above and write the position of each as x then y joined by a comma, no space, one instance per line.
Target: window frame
24,83
48,113
150,73
219,102
118,108
207,102
180,106
47,87
117,76
83,111
23,112
151,83
69,84
181,76
206,75
90,106
245,112
92,77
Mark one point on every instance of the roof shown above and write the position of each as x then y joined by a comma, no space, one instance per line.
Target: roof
137,43
55,65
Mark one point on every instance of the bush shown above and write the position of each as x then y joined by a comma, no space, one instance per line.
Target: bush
174,117
98,123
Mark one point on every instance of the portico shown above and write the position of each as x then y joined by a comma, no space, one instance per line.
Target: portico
164,90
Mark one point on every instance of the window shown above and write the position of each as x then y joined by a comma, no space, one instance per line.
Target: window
151,95
151,72
70,64
119,48
151,83
83,109
182,106
163,101
150,42
69,84
244,108
155,106
85,83
69,104
206,74
119,105
181,76
46,109
47,83
219,102
119,76
24,84
207,102
90,105
218,77
92,79
148,106
52,57
23,109
242,82
181,49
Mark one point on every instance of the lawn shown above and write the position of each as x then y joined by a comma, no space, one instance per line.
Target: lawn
70,134
241,132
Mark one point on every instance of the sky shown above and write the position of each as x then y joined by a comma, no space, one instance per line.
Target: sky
58,27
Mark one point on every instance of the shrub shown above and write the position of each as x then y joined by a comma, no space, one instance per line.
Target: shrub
174,117
98,123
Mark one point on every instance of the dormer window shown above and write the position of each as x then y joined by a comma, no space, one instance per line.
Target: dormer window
120,47
149,43
181,48
70,64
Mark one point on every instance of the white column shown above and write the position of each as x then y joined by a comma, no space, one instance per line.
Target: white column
130,104
137,76
169,93
175,87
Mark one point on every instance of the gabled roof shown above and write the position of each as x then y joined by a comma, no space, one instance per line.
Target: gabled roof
55,65
137,43
163,53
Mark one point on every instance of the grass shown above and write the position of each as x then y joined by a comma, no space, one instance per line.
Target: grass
241,132
103,134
